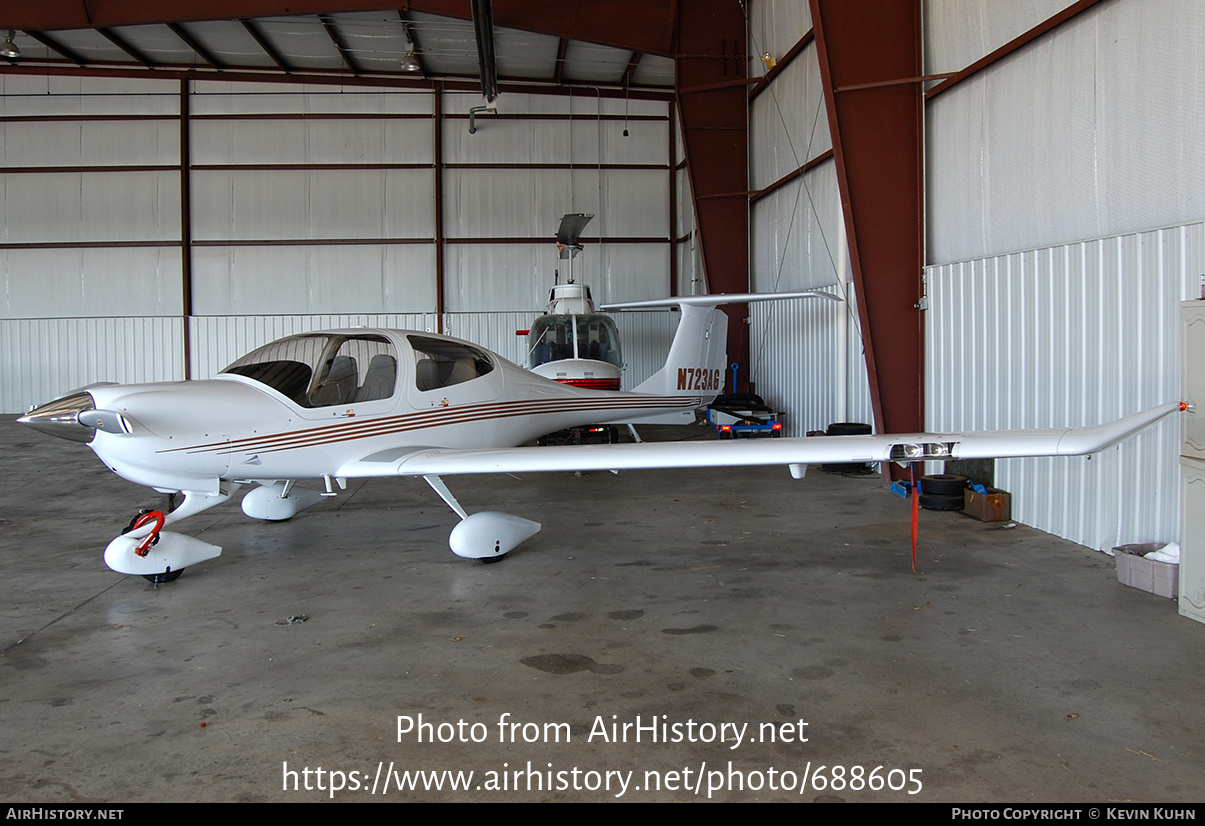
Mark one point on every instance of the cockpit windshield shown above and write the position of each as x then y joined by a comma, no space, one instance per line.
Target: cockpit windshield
558,337
324,370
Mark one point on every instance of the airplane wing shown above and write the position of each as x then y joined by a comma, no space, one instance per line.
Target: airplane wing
1072,441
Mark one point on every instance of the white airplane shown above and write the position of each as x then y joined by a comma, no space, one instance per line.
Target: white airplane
361,403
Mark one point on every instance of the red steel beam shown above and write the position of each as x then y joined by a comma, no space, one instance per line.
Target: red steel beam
715,128
877,132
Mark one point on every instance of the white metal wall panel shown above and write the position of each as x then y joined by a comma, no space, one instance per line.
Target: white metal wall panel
91,206
219,340
41,359
580,105
459,103
629,272
326,141
788,122
634,203
959,32
498,140
239,268
90,281
796,241
259,204
224,98
521,203
487,203
339,278
90,143
576,142
797,236
1088,132
1070,335
775,26
497,277
511,277
29,95
807,361
647,141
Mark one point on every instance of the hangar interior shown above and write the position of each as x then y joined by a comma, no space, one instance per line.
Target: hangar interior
1011,212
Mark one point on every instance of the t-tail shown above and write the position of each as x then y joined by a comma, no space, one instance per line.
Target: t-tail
698,354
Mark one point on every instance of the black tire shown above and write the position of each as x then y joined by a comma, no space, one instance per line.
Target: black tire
944,484
940,502
166,576
848,429
490,560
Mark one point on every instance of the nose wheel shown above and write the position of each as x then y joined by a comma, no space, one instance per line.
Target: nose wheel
145,517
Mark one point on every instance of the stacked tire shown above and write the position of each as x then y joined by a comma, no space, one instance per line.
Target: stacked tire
943,491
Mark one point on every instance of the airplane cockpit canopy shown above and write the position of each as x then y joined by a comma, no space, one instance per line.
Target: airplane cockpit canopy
323,370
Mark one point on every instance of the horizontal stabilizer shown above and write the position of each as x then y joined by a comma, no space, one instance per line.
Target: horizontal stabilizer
715,300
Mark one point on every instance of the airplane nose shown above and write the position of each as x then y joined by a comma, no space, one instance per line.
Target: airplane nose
61,417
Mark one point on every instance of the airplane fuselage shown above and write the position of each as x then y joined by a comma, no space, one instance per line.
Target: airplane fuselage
257,422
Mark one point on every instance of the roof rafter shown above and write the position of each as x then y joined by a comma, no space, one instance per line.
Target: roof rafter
192,43
638,25
332,31
268,48
54,46
119,42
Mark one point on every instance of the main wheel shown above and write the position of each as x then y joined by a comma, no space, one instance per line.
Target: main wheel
490,560
166,576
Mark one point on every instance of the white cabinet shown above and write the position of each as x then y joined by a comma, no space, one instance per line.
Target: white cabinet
1192,538
1192,462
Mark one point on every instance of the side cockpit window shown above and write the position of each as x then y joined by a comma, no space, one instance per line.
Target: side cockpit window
324,370
441,363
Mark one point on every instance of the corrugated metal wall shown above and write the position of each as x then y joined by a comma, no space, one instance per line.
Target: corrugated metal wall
808,361
807,357
1089,132
309,207
1076,334
41,358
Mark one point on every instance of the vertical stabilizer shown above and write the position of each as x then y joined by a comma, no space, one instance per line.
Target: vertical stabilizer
697,355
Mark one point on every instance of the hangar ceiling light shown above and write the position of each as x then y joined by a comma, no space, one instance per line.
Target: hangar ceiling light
9,49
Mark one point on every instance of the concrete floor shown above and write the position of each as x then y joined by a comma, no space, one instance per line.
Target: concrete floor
1010,667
